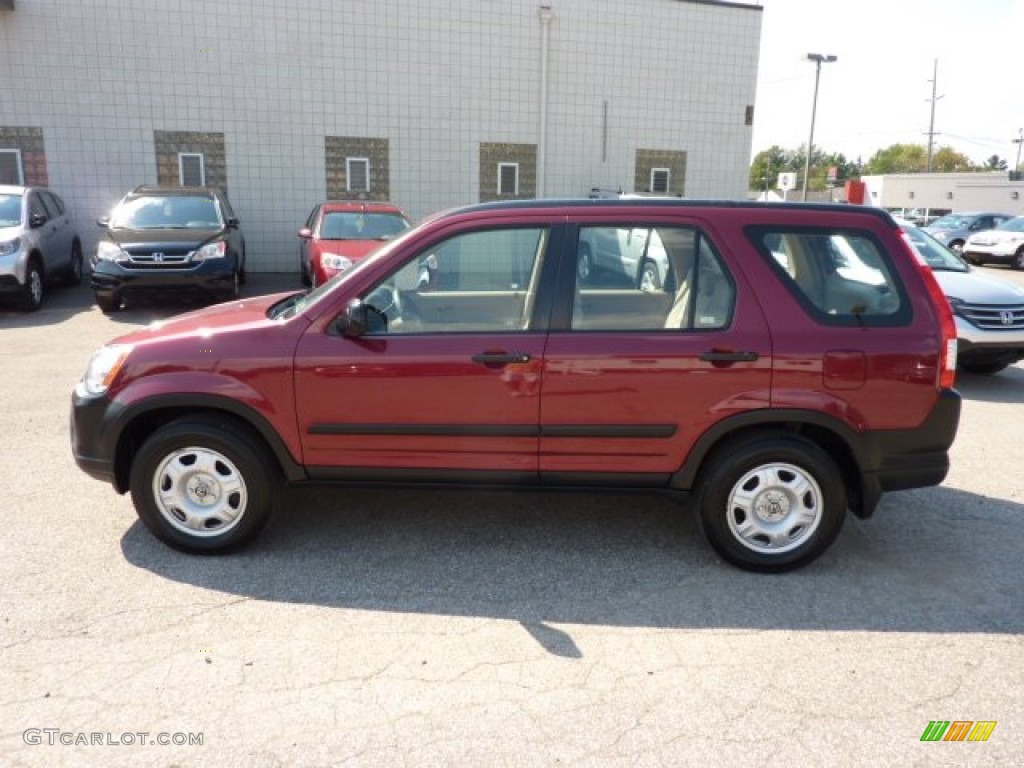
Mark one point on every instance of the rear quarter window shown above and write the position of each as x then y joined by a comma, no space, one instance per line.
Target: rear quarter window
839,276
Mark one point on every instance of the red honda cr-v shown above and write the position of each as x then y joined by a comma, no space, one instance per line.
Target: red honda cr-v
792,362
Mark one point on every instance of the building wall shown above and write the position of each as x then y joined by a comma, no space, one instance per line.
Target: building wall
436,79
995,192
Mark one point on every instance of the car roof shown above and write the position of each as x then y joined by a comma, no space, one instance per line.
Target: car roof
580,204
144,191
359,205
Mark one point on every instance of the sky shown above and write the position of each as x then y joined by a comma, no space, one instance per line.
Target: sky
879,90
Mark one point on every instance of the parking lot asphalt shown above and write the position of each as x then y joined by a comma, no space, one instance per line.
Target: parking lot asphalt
374,627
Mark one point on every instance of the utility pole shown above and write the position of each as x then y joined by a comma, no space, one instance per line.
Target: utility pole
931,125
818,59
1018,141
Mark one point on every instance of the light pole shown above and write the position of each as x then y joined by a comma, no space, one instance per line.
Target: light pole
1018,141
818,59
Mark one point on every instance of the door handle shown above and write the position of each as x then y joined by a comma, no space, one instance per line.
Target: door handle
716,356
501,358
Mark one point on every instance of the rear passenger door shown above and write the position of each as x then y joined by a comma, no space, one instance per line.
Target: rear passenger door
635,373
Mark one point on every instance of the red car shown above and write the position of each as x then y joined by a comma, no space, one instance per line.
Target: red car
338,234
763,378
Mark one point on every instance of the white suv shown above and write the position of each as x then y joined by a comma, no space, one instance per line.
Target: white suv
38,242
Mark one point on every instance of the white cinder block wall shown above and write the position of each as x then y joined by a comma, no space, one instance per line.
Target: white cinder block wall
435,77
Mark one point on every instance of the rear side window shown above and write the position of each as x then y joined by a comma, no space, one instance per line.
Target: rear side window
841,277
644,278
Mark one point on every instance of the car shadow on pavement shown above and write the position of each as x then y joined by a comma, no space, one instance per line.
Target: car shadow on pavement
934,560
1007,386
60,304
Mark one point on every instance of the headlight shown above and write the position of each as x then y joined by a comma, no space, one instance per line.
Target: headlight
334,261
11,246
103,369
215,250
108,251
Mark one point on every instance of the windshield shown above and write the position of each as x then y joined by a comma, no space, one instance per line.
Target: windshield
1013,225
10,210
300,302
952,221
933,253
171,212
357,225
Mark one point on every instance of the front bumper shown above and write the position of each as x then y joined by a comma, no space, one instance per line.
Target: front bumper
12,272
209,278
91,447
1000,252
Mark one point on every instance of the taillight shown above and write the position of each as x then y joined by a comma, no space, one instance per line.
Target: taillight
947,360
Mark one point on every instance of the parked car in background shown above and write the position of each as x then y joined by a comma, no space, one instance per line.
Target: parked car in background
988,310
1002,245
953,229
38,244
338,234
622,255
166,242
758,380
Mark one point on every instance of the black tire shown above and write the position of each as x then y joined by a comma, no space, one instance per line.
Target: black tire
108,304
34,288
776,473
242,274
649,279
1018,259
957,246
584,265
73,274
239,481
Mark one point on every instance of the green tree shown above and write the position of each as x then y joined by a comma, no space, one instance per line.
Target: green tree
898,158
995,163
767,165
948,160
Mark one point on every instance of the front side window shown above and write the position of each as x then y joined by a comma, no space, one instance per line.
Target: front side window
633,278
841,277
476,282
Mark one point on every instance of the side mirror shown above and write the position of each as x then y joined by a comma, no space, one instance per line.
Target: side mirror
305,233
36,220
232,223
103,221
358,319
352,322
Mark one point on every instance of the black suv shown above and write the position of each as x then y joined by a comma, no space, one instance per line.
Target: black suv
160,240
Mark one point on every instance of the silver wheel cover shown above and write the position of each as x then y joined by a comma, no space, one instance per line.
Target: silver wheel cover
199,492
774,508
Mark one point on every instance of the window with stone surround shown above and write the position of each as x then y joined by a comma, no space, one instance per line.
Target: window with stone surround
357,168
662,171
22,156
190,159
507,171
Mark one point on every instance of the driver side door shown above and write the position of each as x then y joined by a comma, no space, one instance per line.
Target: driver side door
445,383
